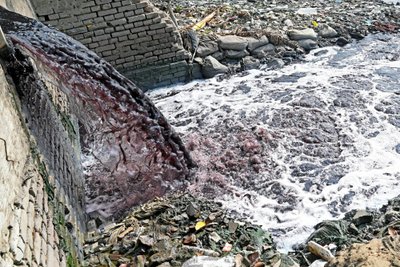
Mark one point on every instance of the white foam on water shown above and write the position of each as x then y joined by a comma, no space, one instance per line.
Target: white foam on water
372,173
392,1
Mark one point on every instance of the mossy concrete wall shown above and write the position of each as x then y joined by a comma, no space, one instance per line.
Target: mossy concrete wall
41,184
28,235
139,40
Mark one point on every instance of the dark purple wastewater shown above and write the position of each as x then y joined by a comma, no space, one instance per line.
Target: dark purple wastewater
130,153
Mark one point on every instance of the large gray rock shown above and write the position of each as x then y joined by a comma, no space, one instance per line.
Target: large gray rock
207,47
362,217
212,67
218,55
327,31
276,63
262,51
234,54
232,42
302,34
256,43
249,63
308,44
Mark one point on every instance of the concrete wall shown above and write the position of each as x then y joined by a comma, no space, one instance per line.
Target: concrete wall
139,40
28,225
42,220
23,7
41,184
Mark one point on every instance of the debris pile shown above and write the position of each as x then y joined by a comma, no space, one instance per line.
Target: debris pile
178,229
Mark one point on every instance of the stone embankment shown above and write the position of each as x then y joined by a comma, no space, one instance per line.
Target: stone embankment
244,34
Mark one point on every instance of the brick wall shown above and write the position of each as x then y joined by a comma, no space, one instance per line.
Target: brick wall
139,40
41,220
38,221
55,151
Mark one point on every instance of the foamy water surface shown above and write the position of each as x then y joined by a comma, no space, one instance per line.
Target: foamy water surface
334,125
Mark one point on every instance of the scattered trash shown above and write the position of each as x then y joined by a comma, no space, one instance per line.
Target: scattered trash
200,225
199,25
320,251
178,228
203,261
227,248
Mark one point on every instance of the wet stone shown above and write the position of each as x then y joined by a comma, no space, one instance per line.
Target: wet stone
262,51
362,217
308,44
235,54
390,105
397,148
212,67
256,43
232,42
327,31
207,47
302,34
249,63
395,121
341,41
351,82
275,63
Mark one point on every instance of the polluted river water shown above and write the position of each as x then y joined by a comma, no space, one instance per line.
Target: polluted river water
284,148
291,147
